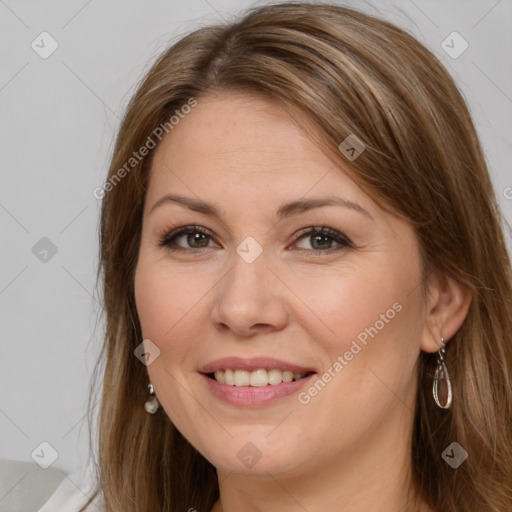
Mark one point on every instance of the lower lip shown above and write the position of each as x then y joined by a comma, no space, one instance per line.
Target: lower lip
249,396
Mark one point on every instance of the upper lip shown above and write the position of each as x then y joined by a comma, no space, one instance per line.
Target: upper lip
252,364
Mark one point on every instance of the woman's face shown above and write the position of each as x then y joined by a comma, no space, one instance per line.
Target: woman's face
259,299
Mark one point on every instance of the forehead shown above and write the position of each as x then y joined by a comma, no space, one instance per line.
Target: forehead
232,128
240,145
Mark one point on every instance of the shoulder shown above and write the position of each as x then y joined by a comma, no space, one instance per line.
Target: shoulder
73,493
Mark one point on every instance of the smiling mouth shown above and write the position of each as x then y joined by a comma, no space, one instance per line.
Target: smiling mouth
257,378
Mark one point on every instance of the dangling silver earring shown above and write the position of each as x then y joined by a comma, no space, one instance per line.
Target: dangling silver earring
152,403
442,386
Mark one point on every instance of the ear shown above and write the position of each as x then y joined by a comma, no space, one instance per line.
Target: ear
447,306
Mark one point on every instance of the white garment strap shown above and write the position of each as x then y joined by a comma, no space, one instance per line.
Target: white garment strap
73,493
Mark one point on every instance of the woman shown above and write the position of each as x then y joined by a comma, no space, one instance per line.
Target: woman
307,287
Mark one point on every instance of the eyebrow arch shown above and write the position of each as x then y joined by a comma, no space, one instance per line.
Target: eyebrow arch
286,210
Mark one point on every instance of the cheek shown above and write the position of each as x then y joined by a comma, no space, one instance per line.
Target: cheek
167,301
369,332
355,303
152,301
371,318
164,298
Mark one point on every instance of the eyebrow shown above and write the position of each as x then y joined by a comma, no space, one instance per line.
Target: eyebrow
286,210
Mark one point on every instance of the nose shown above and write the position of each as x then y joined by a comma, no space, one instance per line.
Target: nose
250,299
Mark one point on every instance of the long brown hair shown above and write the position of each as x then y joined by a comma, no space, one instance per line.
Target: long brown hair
345,72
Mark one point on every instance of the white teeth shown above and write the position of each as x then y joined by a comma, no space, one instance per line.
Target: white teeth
242,378
257,378
229,377
287,376
275,377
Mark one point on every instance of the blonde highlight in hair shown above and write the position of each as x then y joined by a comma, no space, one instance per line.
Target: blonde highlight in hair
338,72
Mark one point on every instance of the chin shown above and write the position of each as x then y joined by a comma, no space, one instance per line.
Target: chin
253,452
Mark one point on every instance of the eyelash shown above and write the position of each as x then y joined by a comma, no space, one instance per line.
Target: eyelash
168,238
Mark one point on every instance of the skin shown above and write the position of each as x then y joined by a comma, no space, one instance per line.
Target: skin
350,444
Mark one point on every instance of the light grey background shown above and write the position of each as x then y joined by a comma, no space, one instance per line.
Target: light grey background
59,117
